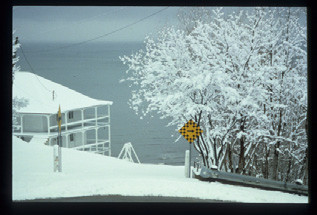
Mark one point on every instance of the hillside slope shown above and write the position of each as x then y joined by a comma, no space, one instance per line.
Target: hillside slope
87,174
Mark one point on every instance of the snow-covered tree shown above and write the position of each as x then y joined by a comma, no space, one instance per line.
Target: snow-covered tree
17,103
234,76
284,61
190,16
15,58
293,93
185,76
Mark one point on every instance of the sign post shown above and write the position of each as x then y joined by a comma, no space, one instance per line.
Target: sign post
57,147
187,163
190,131
190,157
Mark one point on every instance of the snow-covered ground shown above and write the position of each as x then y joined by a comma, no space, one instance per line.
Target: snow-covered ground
86,174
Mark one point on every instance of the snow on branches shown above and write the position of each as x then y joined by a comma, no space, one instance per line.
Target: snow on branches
15,58
241,77
17,103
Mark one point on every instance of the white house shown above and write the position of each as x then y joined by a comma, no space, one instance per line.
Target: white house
85,121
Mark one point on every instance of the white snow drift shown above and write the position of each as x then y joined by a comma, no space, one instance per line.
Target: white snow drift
86,174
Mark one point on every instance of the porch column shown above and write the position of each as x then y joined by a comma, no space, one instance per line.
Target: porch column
96,123
21,131
66,115
96,115
66,137
96,135
109,133
82,137
48,125
82,118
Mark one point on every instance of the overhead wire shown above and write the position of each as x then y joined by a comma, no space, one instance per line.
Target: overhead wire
31,96
81,21
27,61
85,41
103,35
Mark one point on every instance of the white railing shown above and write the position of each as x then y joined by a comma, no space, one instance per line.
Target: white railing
92,120
81,125
96,147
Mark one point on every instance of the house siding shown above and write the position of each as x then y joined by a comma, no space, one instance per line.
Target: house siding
33,123
77,140
76,116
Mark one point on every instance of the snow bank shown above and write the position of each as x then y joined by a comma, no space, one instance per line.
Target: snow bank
86,174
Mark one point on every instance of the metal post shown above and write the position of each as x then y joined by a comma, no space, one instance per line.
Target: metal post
55,157
60,153
59,142
186,163
189,166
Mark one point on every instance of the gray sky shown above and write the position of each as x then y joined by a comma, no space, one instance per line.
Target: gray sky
80,23
75,24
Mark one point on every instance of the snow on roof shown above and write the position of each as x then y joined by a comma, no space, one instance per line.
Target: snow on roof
39,93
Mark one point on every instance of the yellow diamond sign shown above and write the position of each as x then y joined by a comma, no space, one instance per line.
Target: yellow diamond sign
190,131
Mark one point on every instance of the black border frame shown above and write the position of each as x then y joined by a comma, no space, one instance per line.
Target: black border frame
10,207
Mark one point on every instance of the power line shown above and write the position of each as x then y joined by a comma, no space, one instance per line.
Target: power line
31,96
104,35
27,61
86,41
79,22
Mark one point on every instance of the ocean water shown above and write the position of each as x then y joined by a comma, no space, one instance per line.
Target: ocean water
94,69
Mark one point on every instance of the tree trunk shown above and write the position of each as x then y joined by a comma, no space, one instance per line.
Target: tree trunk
275,161
215,152
276,149
305,181
242,150
266,165
288,169
230,158
253,165
201,152
304,169
206,155
306,159
241,157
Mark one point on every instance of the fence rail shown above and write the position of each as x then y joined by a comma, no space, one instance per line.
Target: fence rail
205,174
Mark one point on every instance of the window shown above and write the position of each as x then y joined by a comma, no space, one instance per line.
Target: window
70,115
71,137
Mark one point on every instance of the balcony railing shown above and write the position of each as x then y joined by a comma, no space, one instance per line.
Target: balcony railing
92,121
99,147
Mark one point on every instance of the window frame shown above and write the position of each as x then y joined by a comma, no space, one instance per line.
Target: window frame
71,115
71,137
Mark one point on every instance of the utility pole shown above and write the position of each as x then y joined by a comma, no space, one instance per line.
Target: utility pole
58,146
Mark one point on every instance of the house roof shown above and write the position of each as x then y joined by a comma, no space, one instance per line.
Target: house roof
39,93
